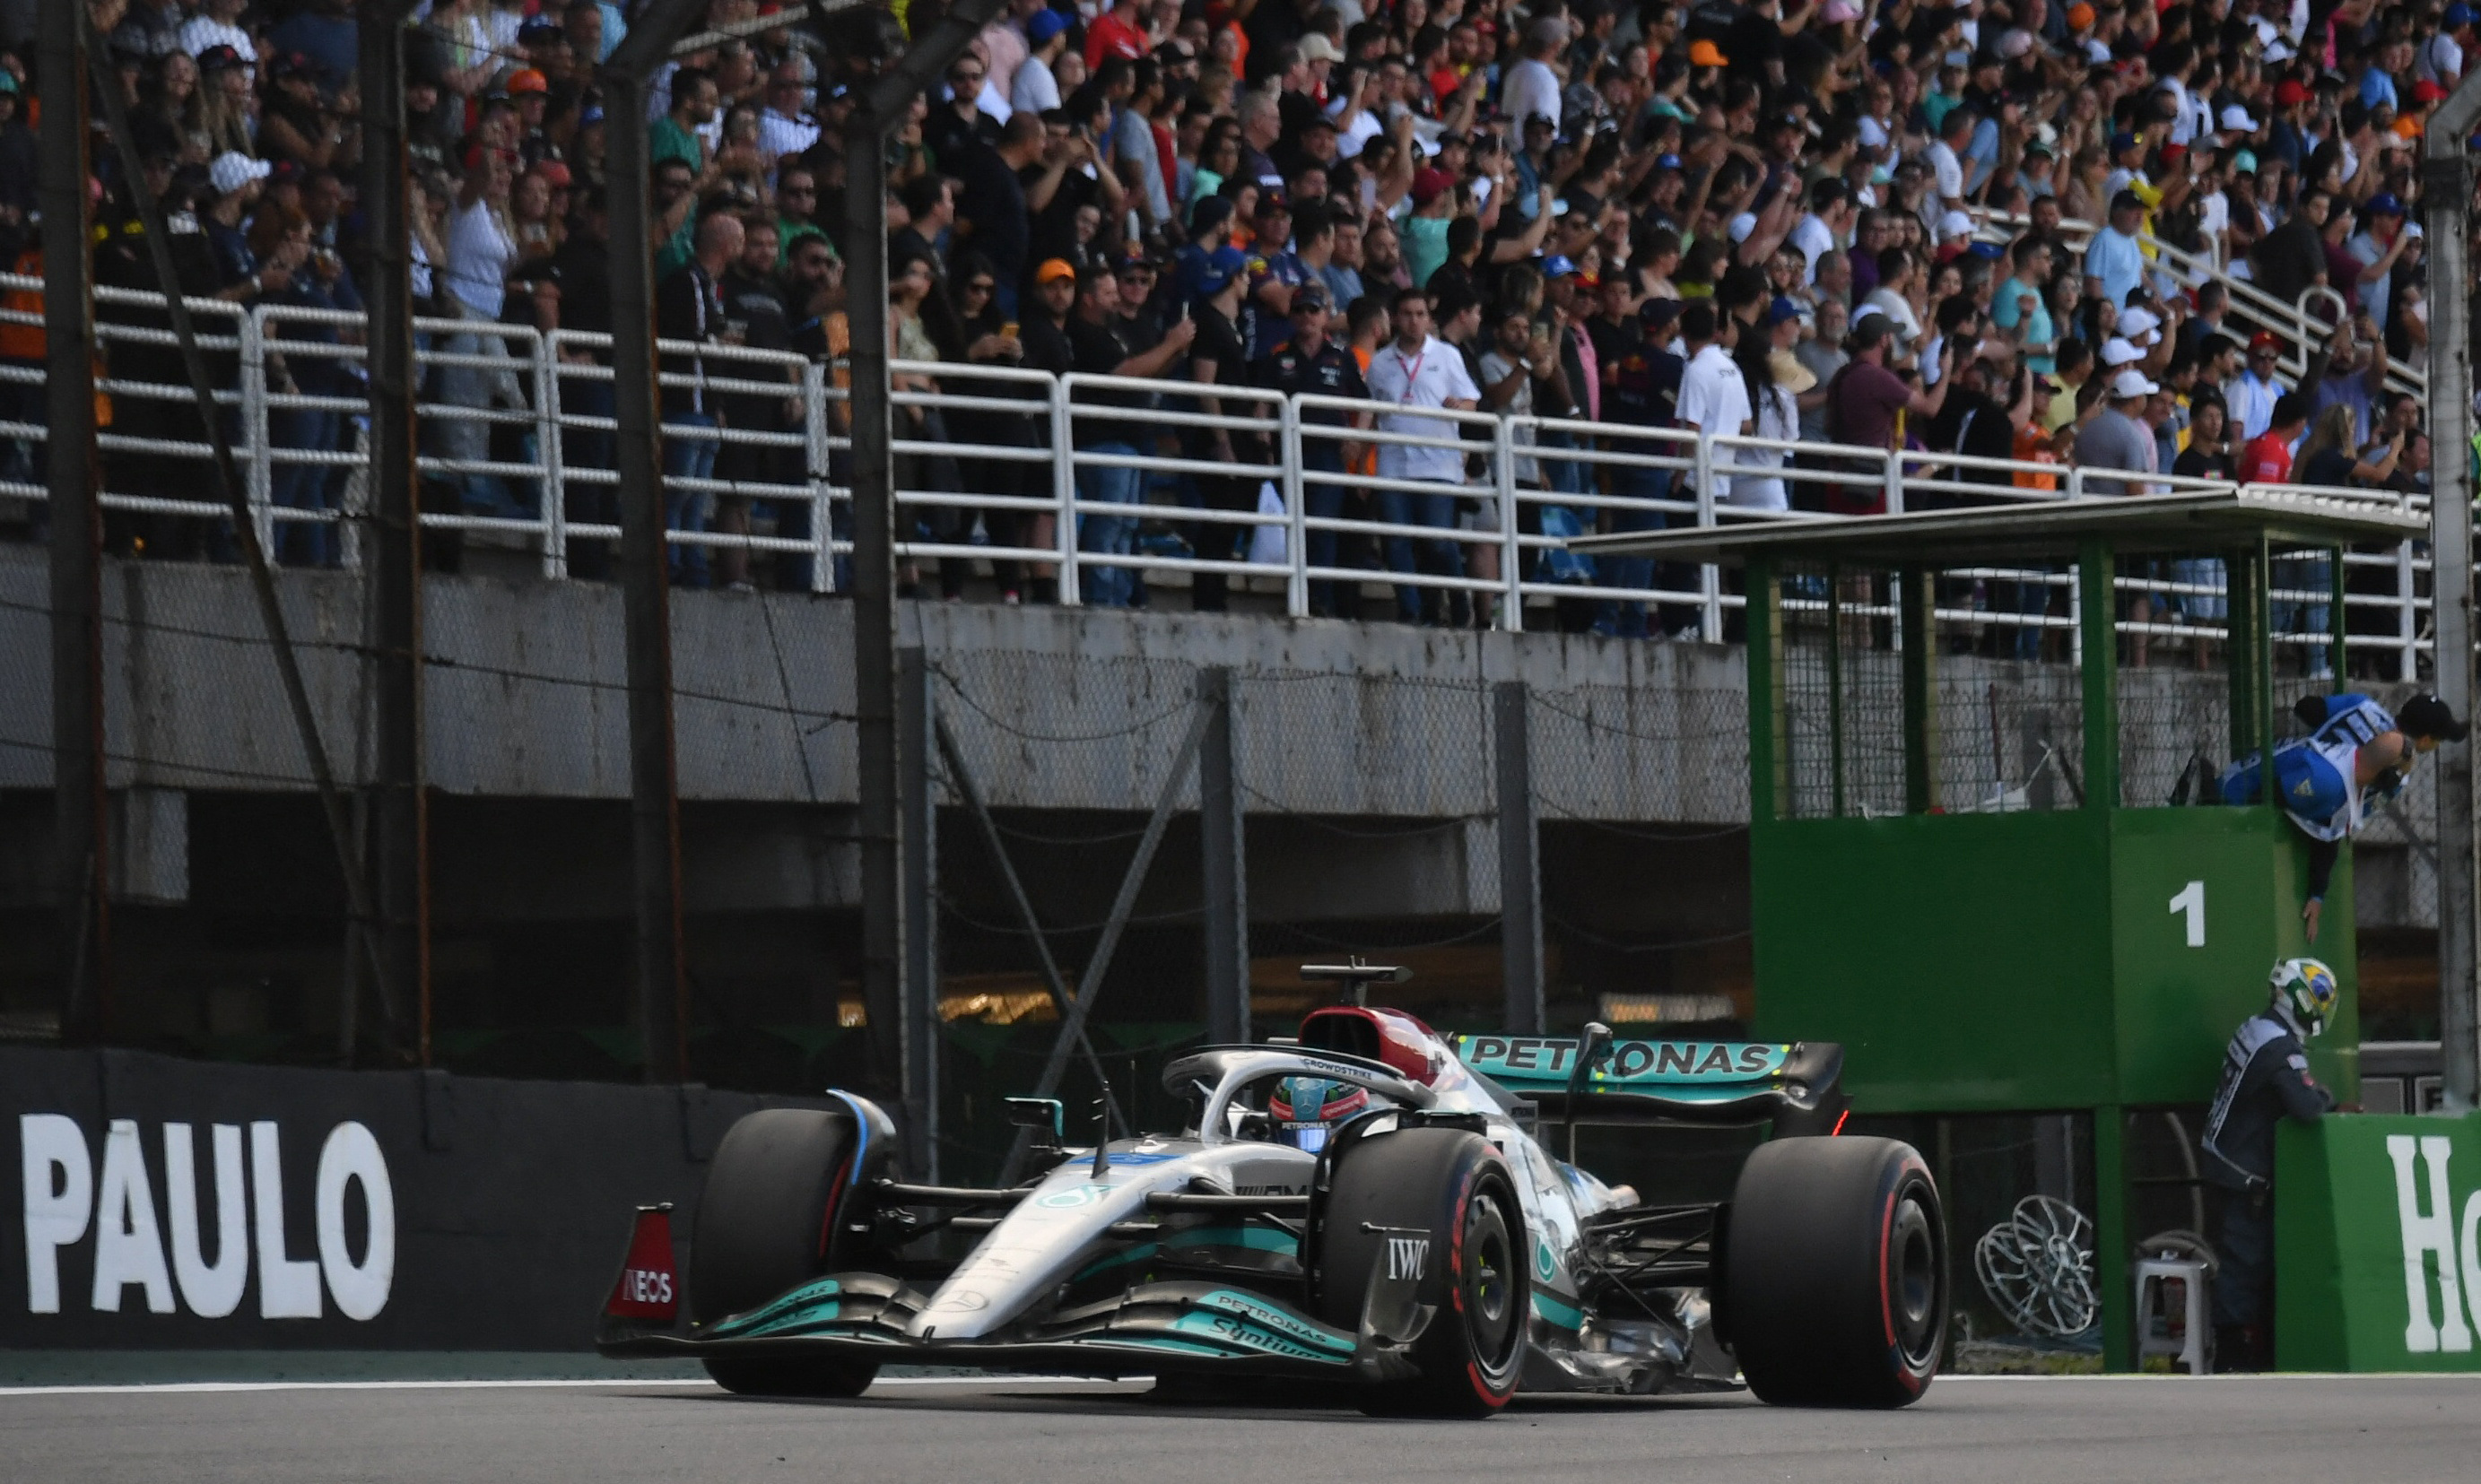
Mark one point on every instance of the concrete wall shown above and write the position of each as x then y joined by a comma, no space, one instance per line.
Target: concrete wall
1055,708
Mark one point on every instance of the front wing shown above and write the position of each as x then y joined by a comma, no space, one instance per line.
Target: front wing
1138,1332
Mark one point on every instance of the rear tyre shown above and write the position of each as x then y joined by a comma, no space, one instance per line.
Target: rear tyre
1835,1290
770,1219
1454,1187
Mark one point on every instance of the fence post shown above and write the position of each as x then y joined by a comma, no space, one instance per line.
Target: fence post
1221,838
1511,558
1520,877
1296,536
554,486
1063,489
918,805
1710,614
820,457
253,417
2407,624
1895,482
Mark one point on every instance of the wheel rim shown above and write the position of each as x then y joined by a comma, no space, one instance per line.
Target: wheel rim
1913,1278
1487,1280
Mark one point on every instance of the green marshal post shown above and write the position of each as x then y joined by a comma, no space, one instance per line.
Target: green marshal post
1996,955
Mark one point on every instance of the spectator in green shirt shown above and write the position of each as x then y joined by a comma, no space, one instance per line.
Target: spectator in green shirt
675,136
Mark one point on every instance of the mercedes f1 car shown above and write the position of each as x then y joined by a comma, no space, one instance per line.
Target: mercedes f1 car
1370,1204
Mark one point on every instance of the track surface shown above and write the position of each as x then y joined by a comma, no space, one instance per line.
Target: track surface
2259,1431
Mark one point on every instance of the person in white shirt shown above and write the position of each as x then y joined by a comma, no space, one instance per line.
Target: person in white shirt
1532,86
1946,161
1714,396
784,127
1034,88
1775,379
1420,371
1829,218
2250,396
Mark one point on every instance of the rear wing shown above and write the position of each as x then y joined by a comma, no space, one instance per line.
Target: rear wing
1796,1086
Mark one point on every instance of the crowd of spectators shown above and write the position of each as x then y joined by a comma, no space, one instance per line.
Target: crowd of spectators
1893,223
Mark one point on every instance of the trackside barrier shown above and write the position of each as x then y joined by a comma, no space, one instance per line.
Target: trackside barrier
1098,482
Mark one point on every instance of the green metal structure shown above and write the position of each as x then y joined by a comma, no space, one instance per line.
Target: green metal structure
2086,958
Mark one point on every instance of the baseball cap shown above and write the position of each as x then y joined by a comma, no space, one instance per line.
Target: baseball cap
2118,351
2236,120
590,114
1780,310
2265,340
1222,266
1209,211
1043,25
2127,200
217,58
2460,15
233,170
2244,161
2080,16
1558,265
1742,226
2136,324
1316,47
1428,185
527,79
2132,383
2426,715
2427,91
2122,144
537,28
1058,267
2383,205
2290,92
1956,223
1657,314
1705,53
1310,296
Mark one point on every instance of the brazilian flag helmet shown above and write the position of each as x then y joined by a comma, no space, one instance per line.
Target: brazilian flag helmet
2304,991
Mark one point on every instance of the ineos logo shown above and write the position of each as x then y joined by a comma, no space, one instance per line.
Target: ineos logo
64,1196
646,1286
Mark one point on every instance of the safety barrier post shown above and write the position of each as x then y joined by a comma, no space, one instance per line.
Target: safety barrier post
1709,619
1064,491
1296,536
819,459
1895,482
1511,546
2407,645
554,487
252,330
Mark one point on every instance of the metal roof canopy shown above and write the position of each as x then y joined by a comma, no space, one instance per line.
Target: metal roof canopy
2048,532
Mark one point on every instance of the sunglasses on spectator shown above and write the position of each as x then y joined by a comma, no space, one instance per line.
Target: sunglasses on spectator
965,79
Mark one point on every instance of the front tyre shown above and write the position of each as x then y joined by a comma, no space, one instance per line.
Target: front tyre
1834,1291
1446,1202
773,1215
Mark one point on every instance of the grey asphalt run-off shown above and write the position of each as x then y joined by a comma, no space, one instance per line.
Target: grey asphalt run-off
2092,1431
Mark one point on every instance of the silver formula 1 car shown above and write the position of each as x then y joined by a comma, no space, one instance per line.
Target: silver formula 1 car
1372,1205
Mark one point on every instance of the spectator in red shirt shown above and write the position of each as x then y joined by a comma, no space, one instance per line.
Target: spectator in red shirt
2267,458
1119,32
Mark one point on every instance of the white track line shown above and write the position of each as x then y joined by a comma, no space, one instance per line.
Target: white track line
684,1382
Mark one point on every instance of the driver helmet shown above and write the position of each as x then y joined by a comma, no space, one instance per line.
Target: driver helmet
2305,992
1306,1107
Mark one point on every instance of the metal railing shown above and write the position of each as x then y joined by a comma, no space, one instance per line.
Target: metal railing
1099,483
2302,326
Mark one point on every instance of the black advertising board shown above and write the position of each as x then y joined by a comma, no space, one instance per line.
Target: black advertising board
173,1204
